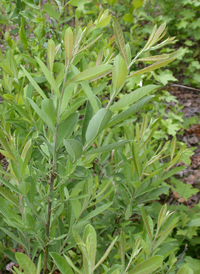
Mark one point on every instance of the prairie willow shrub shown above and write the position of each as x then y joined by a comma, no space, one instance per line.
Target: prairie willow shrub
50,194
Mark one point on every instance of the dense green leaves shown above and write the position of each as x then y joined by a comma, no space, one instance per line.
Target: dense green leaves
84,171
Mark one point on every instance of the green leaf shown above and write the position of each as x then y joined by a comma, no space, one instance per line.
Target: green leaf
74,148
184,190
72,265
87,117
89,44
184,270
97,211
33,83
12,63
47,106
120,39
61,263
120,72
68,43
42,114
194,222
168,175
22,34
9,214
51,11
26,263
98,123
90,240
9,185
159,64
146,224
137,3
39,265
77,3
173,147
50,54
48,76
76,206
128,212
92,73
122,246
126,113
9,196
153,58
88,91
104,22
66,128
132,97
73,107
66,97
105,255
107,148
111,2
90,95
147,266
12,236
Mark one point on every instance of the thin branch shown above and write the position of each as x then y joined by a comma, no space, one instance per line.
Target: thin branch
186,87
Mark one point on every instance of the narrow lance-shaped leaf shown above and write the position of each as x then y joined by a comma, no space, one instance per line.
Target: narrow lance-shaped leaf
159,64
26,263
120,39
153,58
72,265
87,117
162,216
119,72
150,38
74,148
126,113
88,91
90,44
91,73
68,43
48,76
33,83
173,147
73,107
157,36
132,97
77,3
97,211
146,224
61,263
50,54
147,266
98,123
66,128
106,253
42,114
90,240
107,148
122,246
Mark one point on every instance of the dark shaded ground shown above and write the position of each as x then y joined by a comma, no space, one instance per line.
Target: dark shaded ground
190,99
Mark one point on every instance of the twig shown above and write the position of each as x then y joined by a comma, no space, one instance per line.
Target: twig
180,256
185,87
